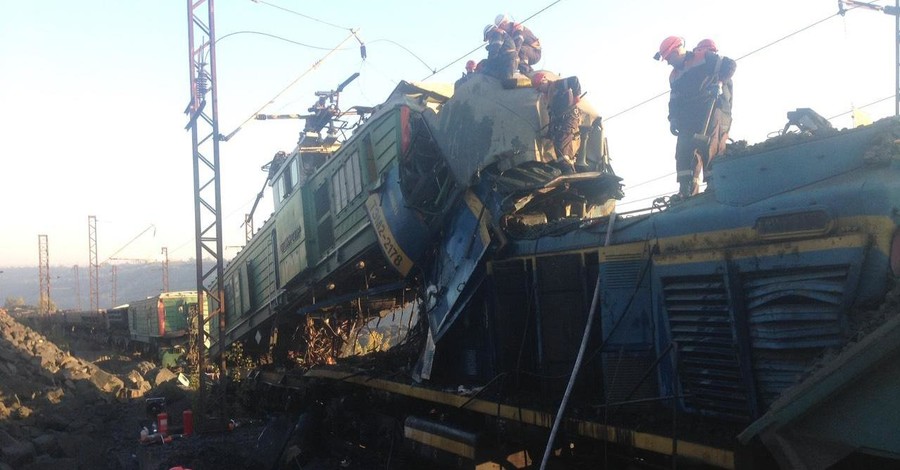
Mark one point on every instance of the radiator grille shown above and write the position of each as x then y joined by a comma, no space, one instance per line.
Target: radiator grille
792,315
701,325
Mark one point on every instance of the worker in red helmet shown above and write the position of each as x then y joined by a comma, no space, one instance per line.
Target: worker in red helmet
470,70
705,45
699,108
561,96
528,46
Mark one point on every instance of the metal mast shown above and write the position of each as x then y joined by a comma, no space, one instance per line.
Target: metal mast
205,138
114,279
165,253
93,265
44,275
77,287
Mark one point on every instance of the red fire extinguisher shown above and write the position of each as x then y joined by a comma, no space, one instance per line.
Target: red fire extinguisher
162,423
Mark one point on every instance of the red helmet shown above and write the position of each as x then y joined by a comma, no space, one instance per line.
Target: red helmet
668,46
538,79
706,45
470,66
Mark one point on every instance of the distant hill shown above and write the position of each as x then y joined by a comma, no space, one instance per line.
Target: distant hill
133,282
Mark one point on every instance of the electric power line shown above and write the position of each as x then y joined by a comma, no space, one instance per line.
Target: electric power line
739,58
302,15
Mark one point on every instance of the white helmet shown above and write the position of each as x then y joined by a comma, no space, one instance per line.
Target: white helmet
501,18
488,29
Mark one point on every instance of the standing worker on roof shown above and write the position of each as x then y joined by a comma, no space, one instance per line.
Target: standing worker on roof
528,45
562,96
699,107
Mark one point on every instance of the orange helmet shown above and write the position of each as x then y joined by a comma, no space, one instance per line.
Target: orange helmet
668,46
706,45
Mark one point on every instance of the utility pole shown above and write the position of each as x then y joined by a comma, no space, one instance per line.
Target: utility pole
165,253
44,275
207,183
93,265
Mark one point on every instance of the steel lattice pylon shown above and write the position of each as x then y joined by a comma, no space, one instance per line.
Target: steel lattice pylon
44,274
93,265
165,269
205,137
77,287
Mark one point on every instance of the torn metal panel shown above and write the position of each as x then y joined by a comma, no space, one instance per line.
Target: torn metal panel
459,267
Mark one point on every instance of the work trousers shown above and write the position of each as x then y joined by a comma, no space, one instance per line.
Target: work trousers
694,157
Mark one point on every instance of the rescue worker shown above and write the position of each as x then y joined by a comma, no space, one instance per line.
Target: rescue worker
502,60
470,70
562,96
705,45
528,46
699,108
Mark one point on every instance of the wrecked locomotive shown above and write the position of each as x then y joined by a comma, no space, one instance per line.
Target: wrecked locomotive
695,332
156,325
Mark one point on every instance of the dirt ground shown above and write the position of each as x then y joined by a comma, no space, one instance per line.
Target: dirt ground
77,405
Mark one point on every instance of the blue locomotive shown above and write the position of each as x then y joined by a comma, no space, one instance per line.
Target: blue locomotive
437,253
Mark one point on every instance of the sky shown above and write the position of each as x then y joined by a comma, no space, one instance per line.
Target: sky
92,94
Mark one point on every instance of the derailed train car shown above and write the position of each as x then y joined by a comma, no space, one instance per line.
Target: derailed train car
738,327
156,324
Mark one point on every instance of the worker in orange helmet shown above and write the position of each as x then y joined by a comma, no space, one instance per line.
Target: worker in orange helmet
562,96
528,46
699,108
470,70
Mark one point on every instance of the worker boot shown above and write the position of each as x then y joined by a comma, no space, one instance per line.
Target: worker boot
685,188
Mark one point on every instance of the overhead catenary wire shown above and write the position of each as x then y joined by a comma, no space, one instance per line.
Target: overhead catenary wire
301,15
275,36
314,66
660,95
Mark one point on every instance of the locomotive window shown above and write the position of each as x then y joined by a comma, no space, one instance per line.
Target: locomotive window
346,182
276,189
342,183
355,176
293,174
322,205
336,189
